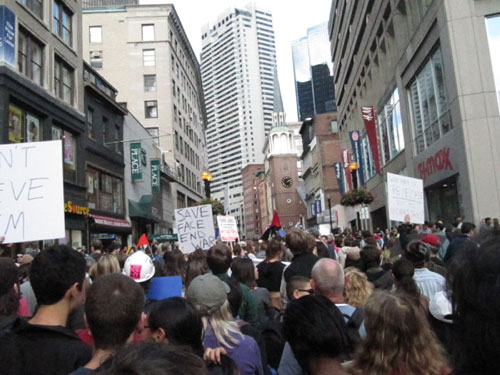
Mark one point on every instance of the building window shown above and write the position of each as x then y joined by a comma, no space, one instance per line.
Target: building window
117,138
23,126
96,59
428,104
36,6
493,28
90,122
151,109
62,22
63,81
30,57
106,132
148,32
391,128
150,82
104,192
148,57
95,34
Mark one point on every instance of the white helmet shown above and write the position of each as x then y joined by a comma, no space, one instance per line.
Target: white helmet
139,267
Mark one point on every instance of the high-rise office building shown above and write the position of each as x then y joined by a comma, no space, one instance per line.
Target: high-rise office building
144,51
237,64
314,86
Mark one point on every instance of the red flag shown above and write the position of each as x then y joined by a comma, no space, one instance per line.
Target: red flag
276,220
143,241
368,114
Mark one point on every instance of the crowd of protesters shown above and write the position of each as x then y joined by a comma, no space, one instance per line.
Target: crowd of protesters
416,299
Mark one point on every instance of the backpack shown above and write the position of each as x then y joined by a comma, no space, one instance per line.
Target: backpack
353,323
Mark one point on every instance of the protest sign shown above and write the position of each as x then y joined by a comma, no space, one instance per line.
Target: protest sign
195,228
165,287
228,228
405,196
31,191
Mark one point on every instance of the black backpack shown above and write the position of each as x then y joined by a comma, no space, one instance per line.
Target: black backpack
353,323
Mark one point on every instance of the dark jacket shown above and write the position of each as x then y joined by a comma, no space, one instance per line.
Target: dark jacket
301,265
270,275
459,244
380,278
35,349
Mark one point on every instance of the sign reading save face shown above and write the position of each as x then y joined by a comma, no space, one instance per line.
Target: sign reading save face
195,228
31,191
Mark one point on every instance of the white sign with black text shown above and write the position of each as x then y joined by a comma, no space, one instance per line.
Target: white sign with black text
405,196
195,228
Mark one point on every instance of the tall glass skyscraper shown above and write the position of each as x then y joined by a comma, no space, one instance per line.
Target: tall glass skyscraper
313,73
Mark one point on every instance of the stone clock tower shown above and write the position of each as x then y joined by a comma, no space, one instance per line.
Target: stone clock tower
282,151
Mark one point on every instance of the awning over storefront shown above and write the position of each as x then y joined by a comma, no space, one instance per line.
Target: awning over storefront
111,222
142,210
163,237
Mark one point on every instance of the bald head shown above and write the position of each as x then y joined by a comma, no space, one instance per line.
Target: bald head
328,278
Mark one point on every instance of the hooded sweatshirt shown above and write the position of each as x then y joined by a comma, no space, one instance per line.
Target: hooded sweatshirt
270,275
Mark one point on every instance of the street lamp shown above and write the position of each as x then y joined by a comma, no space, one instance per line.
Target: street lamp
353,167
207,178
330,212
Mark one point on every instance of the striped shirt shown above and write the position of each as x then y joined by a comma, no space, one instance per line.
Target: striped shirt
429,282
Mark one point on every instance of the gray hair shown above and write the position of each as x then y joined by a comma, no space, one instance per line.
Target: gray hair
328,277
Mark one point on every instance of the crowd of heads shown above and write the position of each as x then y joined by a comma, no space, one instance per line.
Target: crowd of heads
373,306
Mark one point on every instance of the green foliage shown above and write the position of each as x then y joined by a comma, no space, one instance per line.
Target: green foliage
217,207
355,197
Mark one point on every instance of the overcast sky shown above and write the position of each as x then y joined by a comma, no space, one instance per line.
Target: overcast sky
291,18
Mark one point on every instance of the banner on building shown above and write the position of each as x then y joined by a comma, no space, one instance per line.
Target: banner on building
357,153
136,161
346,160
340,176
318,206
195,228
155,175
368,114
228,228
405,197
31,188
7,36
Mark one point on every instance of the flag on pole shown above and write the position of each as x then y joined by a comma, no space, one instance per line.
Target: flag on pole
273,228
143,241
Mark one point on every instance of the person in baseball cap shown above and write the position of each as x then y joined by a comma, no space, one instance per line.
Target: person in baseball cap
433,262
209,296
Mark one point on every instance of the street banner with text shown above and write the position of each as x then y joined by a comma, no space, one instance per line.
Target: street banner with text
155,175
135,161
405,197
368,114
31,191
195,228
357,154
228,228
340,176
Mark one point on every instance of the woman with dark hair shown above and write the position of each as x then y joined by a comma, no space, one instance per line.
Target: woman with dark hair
195,268
474,280
403,271
246,273
175,264
398,339
176,321
317,333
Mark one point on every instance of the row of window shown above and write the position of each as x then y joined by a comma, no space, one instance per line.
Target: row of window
110,133
31,64
429,111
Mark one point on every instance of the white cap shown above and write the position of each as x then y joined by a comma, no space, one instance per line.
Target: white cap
139,267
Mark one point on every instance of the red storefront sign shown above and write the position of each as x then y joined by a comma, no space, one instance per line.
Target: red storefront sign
438,162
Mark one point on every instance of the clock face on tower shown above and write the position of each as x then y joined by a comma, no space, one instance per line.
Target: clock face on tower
287,182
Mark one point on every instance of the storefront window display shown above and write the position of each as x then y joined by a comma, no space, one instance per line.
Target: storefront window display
23,125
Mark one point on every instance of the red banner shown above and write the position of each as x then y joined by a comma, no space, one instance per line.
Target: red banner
368,114
346,160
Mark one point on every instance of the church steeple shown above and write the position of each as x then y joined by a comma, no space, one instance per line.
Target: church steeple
278,110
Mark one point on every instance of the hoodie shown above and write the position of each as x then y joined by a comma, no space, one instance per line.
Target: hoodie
270,275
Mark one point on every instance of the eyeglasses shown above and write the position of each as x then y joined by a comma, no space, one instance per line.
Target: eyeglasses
310,291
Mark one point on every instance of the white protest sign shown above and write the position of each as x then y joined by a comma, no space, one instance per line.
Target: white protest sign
228,228
405,197
195,228
31,191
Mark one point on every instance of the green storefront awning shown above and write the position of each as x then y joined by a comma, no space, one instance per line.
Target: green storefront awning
163,237
142,210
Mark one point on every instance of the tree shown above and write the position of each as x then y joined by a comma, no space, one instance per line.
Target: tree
217,207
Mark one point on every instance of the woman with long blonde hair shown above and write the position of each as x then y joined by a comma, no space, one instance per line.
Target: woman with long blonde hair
399,340
357,288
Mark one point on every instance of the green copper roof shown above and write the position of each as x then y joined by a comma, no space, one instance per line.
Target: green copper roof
278,101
